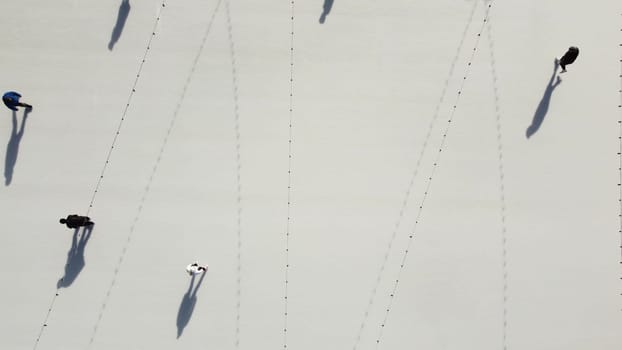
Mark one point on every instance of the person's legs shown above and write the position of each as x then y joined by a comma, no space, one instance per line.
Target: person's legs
562,63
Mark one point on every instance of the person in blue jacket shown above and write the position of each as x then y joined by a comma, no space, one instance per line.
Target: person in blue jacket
11,100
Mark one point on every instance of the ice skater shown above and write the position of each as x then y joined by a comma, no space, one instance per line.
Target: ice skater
195,269
189,301
568,58
11,100
75,221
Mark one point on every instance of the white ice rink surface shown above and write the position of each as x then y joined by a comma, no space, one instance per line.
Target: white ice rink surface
515,241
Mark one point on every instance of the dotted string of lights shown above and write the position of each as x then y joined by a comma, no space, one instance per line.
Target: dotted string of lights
406,199
236,116
153,173
289,173
127,106
109,155
503,210
429,183
620,158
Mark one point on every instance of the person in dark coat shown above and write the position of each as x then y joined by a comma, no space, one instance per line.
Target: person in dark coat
569,57
75,221
11,100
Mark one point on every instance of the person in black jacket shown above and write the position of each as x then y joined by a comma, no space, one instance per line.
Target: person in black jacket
569,57
75,221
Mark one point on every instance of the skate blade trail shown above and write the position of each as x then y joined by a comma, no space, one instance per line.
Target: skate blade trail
502,202
236,115
153,173
413,176
428,185
109,155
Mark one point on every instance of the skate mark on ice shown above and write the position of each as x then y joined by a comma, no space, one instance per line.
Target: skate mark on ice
502,201
236,116
413,176
413,232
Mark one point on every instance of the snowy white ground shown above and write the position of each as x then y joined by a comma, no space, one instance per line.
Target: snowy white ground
199,170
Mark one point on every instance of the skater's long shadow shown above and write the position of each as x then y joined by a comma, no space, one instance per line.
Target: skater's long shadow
75,256
187,305
124,11
328,5
543,106
12,148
